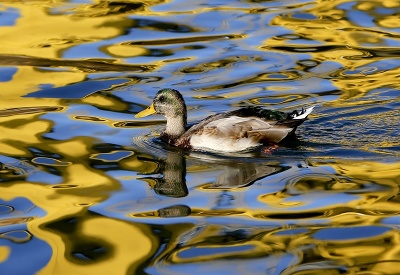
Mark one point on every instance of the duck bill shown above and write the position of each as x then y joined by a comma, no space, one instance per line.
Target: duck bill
146,112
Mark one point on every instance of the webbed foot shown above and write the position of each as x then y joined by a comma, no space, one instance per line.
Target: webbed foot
269,149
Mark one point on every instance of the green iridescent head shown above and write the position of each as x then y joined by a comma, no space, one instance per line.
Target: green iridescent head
167,102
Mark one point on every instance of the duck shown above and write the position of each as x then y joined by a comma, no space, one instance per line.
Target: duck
240,130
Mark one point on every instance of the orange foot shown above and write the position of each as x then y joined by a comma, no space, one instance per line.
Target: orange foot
269,149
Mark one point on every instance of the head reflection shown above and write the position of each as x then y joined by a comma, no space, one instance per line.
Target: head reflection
172,183
232,173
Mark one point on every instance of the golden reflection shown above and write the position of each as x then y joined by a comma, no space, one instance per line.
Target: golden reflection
120,253
107,101
28,79
106,8
372,187
213,242
138,163
374,254
343,42
390,22
40,36
384,171
83,186
196,210
314,246
4,253
74,148
77,186
40,33
126,50
384,174
19,133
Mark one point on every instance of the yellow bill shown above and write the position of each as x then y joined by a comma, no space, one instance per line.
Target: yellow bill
146,112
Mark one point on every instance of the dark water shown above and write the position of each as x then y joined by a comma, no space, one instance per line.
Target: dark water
88,189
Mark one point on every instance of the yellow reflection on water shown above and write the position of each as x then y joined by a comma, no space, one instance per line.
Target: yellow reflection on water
75,148
17,133
45,30
126,50
349,176
40,33
4,253
384,174
82,187
389,172
124,251
341,40
28,79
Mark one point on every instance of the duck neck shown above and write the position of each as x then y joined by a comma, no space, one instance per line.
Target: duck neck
176,126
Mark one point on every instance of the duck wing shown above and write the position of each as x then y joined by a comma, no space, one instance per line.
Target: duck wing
284,124
242,128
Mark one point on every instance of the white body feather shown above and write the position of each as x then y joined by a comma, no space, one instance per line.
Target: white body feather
224,135
220,144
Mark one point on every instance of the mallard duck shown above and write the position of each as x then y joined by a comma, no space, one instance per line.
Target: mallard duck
235,131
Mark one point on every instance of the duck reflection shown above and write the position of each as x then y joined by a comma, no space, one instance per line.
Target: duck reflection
175,211
235,173
238,174
169,178
173,180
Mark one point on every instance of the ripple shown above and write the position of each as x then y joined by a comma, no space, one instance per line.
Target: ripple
201,253
326,202
4,209
12,171
150,143
367,128
313,182
292,216
17,236
113,156
65,186
103,9
12,221
28,110
184,40
92,66
90,118
50,162
351,233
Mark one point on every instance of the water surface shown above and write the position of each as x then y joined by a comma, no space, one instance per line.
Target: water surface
88,189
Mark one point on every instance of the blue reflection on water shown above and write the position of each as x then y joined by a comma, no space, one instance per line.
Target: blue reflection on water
286,78
351,233
6,73
78,90
21,208
9,16
27,253
204,251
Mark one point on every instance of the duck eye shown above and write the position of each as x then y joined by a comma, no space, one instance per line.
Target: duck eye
161,98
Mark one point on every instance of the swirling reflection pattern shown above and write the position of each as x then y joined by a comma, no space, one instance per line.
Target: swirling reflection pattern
87,189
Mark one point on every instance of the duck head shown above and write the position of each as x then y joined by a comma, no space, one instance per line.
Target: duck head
167,102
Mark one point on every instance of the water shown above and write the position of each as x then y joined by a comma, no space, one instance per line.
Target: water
88,189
